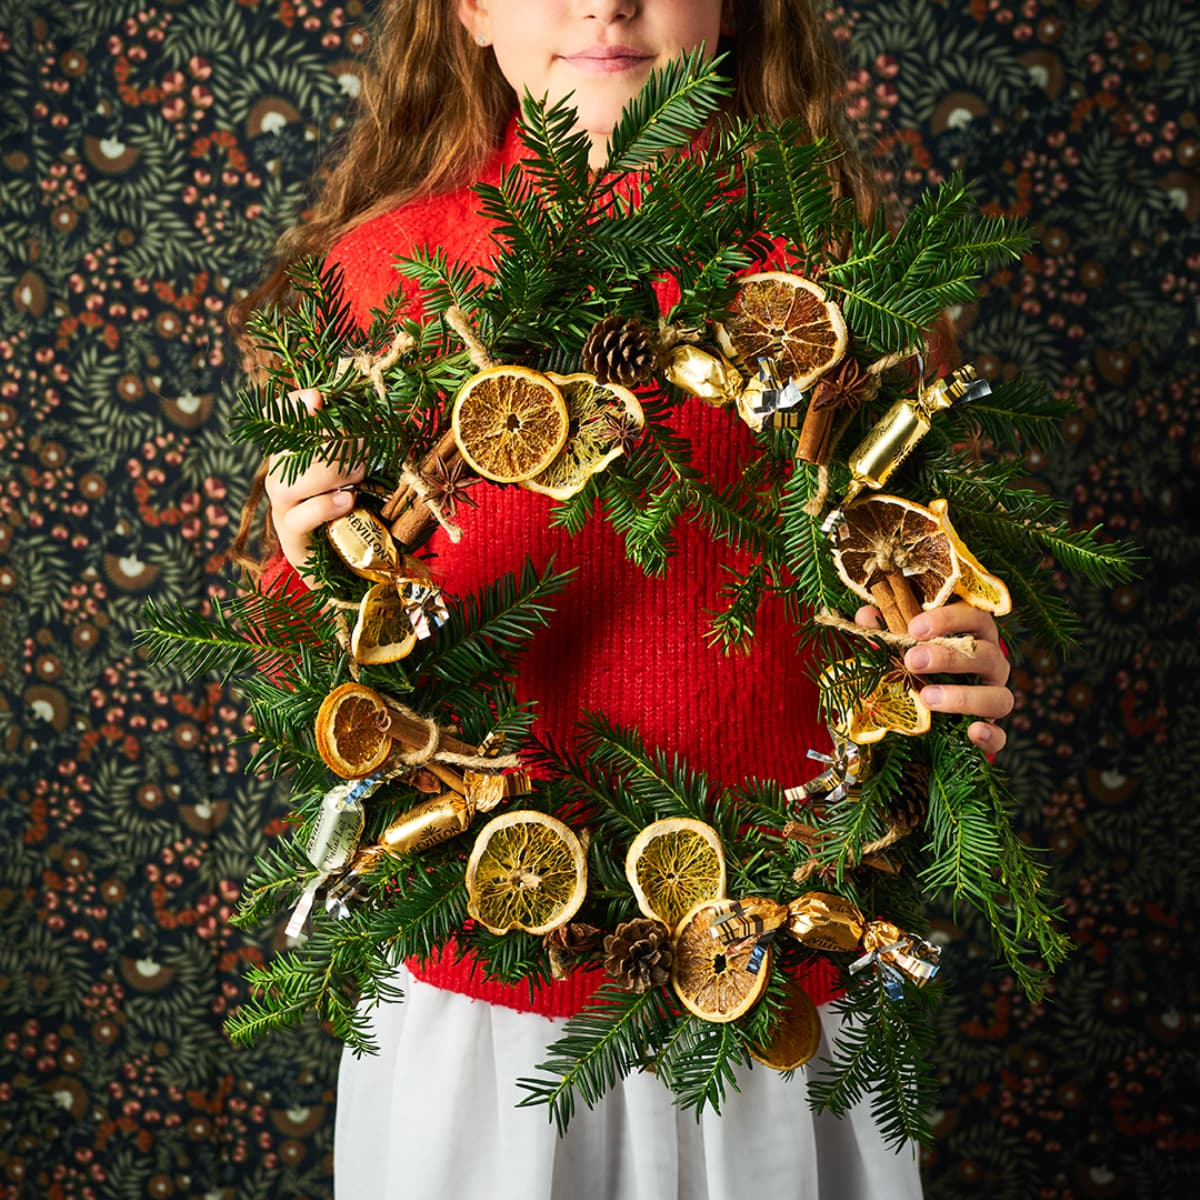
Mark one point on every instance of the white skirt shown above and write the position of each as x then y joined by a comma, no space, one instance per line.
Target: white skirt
433,1117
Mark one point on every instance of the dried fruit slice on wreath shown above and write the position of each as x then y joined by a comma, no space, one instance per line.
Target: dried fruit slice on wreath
527,871
509,422
673,865
976,585
351,731
383,633
604,421
787,320
893,705
795,1036
894,553
715,981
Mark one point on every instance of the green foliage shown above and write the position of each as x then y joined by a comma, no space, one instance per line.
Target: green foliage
572,246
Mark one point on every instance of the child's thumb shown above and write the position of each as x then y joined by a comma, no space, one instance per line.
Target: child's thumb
310,397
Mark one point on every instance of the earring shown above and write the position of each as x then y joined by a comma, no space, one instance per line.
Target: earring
482,39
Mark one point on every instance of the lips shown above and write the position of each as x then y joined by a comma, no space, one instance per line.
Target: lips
608,59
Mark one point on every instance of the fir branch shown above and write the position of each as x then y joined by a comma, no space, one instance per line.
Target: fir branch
732,626
880,1052
806,545
255,631
699,1061
673,105
617,1032
488,630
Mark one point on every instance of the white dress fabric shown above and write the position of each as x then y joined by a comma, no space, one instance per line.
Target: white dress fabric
433,1117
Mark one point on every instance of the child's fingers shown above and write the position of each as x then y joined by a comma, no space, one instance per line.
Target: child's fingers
310,514
869,617
970,699
323,476
988,662
953,619
989,738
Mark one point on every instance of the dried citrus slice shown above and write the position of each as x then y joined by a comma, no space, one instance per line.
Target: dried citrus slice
527,871
977,586
673,865
509,423
351,731
383,633
786,319
892,706
795,1036
603,419
882,536
711,979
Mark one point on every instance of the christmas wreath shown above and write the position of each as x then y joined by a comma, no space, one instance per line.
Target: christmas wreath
556,371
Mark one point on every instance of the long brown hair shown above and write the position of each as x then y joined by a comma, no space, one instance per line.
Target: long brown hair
433,106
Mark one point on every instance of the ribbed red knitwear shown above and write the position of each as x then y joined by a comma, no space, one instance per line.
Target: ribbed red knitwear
619,642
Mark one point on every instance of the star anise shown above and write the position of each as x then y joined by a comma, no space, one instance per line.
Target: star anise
446,485
624,430
846,387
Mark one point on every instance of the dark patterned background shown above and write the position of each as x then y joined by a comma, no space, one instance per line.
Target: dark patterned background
150,152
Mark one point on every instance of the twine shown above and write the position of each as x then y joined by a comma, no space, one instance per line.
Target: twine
371,367
430,752
965,644
805,871
457,320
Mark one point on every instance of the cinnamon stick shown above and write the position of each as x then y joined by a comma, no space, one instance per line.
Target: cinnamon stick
814,444
896,600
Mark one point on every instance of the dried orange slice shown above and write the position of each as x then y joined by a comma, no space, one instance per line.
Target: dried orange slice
351,731
882,536
711,979
673,865
509,423
603,419
796,1035
786,319
527,871
892,706
977,586
383,633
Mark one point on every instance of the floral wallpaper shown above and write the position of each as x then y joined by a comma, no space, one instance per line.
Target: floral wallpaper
149,153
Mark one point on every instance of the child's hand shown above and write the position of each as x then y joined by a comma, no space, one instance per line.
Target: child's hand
299,507
989,698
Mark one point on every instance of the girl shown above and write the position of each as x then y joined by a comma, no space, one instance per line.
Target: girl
433,1115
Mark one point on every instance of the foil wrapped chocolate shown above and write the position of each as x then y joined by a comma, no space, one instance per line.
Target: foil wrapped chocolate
898,956
703,373
735,923
365,545
825,921
845,769
890,442
339,825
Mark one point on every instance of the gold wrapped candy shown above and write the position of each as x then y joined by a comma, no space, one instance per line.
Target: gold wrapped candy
364,544
825,921
878,455
703,373
897,954
430,823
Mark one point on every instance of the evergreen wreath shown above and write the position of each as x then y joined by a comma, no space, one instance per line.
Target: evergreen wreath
567,300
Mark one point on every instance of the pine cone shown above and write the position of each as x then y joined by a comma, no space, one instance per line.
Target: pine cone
568,943
638,954
619,350
909,808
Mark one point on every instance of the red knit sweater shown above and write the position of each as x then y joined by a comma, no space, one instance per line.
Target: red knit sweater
619,642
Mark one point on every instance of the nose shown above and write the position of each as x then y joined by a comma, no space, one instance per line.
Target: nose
609,10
